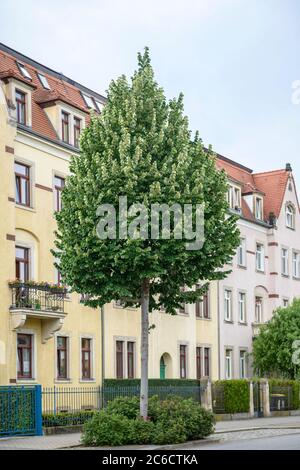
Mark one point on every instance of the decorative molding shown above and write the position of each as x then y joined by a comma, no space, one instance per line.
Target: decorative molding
274,274
11,199
45,188
9,149
273,296
272,244
10,237
250,252
17,320
50,327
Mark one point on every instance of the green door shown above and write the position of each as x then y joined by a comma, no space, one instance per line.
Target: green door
162,368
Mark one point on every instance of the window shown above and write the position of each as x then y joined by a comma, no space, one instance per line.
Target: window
290,216
206,362
296,264
130,360
258,208
234,197
198,362
243,365
24,71
228,364
284,261
227,305
99,105
242,307
43,81
22,180
183,373
260,257
241,253
119,359
59,184
86,356
89,102
24,356
202,307
21,107
62,357
65,126
77,129
258,309
22,263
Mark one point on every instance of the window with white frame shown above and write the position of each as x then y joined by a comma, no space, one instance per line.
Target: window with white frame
228,364
296,264
43,81
260,257
228,305
243,364
234,197
290,216
284,261
285,302
258,208
242,307
24,71
258,309
241,253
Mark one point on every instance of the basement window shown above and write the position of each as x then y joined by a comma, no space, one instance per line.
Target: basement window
24,71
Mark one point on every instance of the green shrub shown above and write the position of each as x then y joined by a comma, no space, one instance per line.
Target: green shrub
107,429
171,421
236,395
66,419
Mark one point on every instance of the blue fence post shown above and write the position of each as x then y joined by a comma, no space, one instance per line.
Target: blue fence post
38,410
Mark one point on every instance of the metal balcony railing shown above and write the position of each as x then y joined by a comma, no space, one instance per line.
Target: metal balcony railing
42,297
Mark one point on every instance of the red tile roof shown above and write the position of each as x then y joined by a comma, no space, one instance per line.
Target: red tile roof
61,89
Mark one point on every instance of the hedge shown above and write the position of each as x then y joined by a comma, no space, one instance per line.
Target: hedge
295,384
66,418
152,383
236,395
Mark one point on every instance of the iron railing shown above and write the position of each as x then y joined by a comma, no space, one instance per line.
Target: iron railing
218,398
37,297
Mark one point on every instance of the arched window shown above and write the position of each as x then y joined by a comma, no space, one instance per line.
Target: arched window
290,216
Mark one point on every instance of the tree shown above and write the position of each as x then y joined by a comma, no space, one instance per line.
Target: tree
276,350
140,147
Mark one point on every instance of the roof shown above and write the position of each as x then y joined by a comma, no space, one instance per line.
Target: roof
62,89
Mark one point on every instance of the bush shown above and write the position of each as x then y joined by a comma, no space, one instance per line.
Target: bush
107,429
171,421
66,418
236,395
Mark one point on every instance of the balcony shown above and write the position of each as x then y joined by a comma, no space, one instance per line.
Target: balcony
38,300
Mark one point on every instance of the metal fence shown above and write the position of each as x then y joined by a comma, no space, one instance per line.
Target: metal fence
281,397
218,398
20,410
63,406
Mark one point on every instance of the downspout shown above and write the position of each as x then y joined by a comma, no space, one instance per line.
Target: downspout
219,331
102,354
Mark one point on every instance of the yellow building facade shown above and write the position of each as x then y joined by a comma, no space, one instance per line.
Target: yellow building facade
44,337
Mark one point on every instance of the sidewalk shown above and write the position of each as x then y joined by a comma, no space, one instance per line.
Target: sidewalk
63,441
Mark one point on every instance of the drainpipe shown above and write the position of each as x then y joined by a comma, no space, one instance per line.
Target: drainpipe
219,331
102,354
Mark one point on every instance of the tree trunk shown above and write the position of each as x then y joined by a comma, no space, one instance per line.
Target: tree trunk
144,348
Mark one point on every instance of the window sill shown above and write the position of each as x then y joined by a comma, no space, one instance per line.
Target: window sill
242,323
203,318
26,381
228,321
259,271
286,276
87,381
240,266
296,278
26,208
63,381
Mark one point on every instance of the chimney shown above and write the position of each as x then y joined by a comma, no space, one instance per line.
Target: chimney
288,167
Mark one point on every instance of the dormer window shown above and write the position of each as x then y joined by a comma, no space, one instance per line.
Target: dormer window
99,106
21,106
258,208
65,127
24,71
77,129
234,197
43,81
290,216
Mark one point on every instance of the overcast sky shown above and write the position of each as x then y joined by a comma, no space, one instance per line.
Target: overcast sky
234,60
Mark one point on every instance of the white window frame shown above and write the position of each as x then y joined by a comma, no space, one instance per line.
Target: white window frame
260,257
258,206
242,302
234,197
241,253
285,302
258,311
290,216
228,304
243,364
43,81
284,261
24,71
228,363
296,264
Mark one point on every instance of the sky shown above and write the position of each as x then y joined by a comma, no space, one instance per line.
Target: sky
235,61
